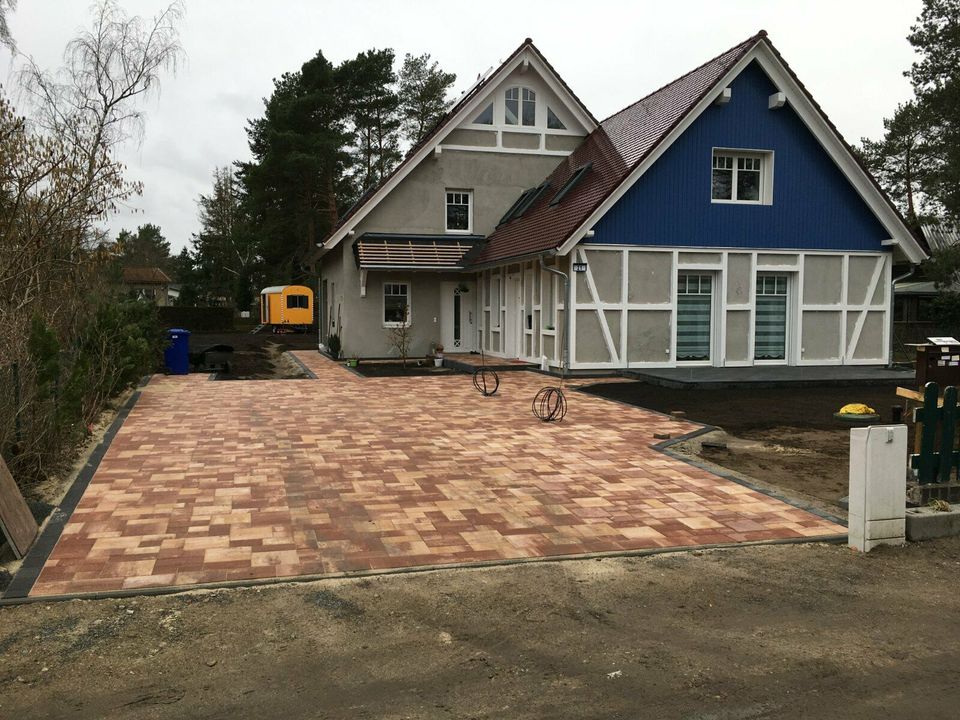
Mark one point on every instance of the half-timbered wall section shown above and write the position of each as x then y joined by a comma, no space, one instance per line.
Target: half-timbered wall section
668,307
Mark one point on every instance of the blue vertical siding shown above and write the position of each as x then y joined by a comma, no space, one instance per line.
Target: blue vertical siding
814,205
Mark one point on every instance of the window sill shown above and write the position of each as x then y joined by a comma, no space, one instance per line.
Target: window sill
392,326
448,231
738,202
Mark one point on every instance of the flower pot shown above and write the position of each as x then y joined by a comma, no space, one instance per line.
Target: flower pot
352,363
438,362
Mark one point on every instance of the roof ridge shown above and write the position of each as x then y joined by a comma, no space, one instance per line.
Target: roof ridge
752,40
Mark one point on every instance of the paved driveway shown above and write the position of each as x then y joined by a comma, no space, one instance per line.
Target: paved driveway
215,481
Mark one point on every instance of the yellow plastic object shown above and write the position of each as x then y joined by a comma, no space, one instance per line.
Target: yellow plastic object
857,409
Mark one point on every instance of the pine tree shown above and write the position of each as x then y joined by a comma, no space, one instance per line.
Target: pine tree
936,84
225,248
903,161
423,95
372,105
147,248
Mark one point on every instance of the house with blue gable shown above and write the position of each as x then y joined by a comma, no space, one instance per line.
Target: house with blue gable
719,221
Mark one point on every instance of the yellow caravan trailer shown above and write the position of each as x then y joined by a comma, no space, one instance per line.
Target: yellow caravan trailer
286,305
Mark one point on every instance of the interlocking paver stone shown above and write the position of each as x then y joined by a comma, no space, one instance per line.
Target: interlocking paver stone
214,481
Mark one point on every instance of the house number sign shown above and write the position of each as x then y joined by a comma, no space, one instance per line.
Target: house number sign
579,267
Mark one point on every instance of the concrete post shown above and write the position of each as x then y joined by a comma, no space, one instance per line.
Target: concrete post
878,461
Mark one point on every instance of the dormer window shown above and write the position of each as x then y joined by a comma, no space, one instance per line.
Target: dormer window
520,107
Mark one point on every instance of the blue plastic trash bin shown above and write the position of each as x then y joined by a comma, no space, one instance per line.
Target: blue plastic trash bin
177,355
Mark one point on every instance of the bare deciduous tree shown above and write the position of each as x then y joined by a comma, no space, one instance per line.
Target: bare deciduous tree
59,178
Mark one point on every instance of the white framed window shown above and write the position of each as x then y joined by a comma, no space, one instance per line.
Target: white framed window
520,107
740,176
459,211
485,117
553,122
396,304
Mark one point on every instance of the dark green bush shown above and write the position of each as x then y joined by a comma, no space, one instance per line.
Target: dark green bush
945,311
66,389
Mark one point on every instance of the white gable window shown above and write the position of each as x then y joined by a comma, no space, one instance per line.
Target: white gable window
520,107
742,177
485,117
459,211
553,122
396,304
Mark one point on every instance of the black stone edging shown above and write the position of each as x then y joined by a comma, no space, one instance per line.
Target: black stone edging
307,371
505,562
37,556
664,447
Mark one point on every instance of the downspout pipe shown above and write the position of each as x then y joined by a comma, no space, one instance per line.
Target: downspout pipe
567,315
893,284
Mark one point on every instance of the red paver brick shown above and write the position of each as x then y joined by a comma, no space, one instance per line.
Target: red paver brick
213,481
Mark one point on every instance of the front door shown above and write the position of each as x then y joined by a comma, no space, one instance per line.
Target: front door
458,316
694,317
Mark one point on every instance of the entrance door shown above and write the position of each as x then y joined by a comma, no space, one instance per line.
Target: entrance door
694,317
770,336
458,316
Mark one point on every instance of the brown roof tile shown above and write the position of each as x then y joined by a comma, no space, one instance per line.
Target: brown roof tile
145,276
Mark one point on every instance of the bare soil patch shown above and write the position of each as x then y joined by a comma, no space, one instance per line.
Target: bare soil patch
749,633
786,437
414,368
257,357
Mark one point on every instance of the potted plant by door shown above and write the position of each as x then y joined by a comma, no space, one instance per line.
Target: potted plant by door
438,355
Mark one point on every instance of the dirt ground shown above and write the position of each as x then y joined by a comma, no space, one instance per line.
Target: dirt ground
789,631
414,368
257,357
785,437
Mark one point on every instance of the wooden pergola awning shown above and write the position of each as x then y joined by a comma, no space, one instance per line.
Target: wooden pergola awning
390,251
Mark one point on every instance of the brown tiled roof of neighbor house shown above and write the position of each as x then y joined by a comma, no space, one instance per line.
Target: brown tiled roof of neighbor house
444,121
145,276
385,250
613,150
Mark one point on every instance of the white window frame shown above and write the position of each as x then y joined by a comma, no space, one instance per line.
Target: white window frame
447,203
383,304
521,91
766,175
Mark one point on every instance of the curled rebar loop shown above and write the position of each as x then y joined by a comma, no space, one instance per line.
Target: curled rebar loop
486,381
550,404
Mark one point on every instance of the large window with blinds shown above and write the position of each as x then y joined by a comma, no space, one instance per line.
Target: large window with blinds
694,312
770,336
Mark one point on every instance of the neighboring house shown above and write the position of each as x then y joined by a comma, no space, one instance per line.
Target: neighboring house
149,283
940,236
719,221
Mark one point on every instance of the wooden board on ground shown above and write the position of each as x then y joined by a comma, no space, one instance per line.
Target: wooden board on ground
16,520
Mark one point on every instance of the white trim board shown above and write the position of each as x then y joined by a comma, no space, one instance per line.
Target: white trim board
814,120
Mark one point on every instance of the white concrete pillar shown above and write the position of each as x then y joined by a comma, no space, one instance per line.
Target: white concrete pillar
878,461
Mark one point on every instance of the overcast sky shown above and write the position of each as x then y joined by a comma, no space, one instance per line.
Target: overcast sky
849,53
